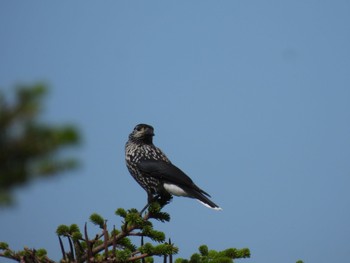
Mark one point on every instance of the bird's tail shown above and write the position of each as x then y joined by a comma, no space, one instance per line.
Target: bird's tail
205,200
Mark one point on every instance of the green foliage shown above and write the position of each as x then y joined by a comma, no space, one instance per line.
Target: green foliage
117,246
62,230
114,232
126,242
121,212
162,216
27,255
74,228
72,231
153,234
7,253
123,255
29,147
3,246
154,207
195,258
237,253
123,249
203,249
155,210
134,218
212,256
77,236
97,220
159,250
165,249
41,253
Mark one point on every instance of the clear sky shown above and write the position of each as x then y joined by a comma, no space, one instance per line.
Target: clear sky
250,98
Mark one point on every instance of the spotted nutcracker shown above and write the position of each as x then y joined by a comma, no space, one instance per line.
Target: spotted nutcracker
156,174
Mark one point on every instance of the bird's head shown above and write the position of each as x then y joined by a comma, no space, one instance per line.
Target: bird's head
142,133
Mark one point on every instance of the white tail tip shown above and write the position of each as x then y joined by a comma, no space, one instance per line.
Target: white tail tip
214,208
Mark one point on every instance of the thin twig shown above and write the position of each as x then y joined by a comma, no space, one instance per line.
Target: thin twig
114,242
138,234
71,248
171,255
88,243
142,256
62,247
125,232
105,239
142,243
78,249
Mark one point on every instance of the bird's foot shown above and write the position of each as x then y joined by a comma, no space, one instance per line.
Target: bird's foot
144,209
160,200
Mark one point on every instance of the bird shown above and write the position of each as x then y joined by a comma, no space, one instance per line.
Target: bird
155,173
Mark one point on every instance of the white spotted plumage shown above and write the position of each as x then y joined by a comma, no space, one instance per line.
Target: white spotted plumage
151,168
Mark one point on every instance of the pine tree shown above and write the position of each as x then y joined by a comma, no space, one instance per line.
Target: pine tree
115,245
28,146
28,149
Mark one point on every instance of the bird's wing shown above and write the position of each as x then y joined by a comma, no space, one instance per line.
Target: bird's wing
167,172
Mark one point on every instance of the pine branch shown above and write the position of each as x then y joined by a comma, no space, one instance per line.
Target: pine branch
116,247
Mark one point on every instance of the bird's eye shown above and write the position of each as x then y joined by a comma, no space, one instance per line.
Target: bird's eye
138,128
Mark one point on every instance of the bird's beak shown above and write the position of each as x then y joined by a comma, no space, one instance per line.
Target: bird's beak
149,132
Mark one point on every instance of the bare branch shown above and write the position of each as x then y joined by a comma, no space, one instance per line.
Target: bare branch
62,247
142,256
71,248
88,244
114,242
105,235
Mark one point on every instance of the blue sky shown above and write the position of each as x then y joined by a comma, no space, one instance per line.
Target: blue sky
249,98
